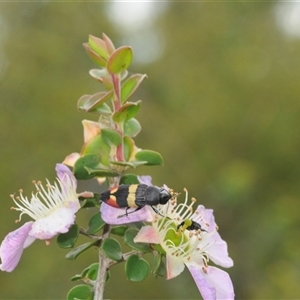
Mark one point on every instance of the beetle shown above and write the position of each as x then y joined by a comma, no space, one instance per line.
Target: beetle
136,196
190,225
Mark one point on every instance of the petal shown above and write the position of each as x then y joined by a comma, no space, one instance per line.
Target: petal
145,179
71,159
212,284
90,130
12,247
57,222
147,234
205,218
174,266
63,171
218,252
111,215
213,243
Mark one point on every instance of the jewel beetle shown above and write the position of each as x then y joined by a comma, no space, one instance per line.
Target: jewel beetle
135,196
190,225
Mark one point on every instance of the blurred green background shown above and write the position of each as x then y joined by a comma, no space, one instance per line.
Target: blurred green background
221,104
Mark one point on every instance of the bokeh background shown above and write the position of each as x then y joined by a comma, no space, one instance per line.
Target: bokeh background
221,104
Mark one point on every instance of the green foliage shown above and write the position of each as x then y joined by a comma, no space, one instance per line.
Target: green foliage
159,266
72,255
137,269
81,292
112,249
95,224
225,96
151,157
120,60
68,240
89,273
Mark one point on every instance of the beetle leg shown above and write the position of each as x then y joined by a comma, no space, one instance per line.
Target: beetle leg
127,213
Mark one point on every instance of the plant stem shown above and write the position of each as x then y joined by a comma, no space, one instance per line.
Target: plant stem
103,268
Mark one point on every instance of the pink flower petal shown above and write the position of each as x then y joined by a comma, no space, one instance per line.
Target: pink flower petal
174,266
71,159
110,215
63,171
12,247
147,234
218,252
212,284
145,179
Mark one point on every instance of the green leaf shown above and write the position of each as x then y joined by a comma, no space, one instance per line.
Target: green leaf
90,272
98,74
78,250
129,179
98,46
68,239
159,266
93,271
81,292
131,164
99,147
136,269
128,143
132,127
109,44
86,161
119,230
120,60
130,86
95,223
90,202
93,103
127,111
130,234
112,249
111,136
152,157
102,172
94,56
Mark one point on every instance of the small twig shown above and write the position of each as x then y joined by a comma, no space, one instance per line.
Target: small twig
103,268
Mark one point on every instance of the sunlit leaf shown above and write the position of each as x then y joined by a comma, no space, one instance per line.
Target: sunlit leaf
98,46
132,127
127,111
131,85
90,103
151,157
94,56
86,161
120,60
111,136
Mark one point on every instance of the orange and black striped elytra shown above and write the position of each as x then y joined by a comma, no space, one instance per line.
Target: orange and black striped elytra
135,196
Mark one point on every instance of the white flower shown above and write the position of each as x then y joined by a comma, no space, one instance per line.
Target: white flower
183,245
53,210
